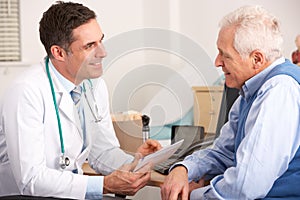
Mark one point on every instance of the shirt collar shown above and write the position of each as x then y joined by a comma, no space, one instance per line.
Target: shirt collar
68,85
251,85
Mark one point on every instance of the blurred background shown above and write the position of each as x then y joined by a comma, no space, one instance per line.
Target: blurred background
158,50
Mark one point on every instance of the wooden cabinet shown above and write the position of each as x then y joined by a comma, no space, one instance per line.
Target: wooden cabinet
207,101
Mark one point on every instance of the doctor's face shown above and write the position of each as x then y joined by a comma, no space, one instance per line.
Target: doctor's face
85,54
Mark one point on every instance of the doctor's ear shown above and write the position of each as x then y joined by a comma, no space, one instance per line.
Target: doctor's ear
58,53
258,59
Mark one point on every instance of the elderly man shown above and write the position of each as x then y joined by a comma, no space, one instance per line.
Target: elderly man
257,153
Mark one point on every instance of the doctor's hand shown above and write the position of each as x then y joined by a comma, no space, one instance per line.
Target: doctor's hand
148,147
126,182
176,185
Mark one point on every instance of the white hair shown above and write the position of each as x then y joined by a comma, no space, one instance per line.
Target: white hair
255,29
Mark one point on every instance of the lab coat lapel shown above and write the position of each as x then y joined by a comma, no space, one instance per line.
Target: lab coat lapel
87,118
65,104
90,124
67,107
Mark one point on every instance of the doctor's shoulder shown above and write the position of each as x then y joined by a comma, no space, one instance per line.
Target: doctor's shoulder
32,73
31,79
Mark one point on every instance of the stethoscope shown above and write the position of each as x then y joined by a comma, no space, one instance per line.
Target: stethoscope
64,161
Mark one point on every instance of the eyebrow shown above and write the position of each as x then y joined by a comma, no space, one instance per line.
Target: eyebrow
90,43
102,37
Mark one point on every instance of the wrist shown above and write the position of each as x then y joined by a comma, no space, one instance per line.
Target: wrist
180,168
105,185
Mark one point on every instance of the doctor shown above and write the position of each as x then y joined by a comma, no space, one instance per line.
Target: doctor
45,137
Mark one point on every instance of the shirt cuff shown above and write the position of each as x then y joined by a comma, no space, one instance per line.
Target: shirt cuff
177,165
204,192
94,188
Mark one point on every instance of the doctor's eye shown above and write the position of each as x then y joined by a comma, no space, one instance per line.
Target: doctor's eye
89,45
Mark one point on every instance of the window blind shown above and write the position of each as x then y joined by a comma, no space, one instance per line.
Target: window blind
9,31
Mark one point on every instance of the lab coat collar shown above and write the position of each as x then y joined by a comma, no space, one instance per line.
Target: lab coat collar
64,101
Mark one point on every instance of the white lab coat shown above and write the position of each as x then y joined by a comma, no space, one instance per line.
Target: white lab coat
30,144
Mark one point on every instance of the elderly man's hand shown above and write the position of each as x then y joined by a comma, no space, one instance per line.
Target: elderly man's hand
176,185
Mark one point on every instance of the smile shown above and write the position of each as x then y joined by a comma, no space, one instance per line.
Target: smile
97,63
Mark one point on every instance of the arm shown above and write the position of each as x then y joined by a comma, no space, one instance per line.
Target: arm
216,159
105,155
210,161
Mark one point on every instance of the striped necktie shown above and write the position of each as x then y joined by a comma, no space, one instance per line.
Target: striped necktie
76,95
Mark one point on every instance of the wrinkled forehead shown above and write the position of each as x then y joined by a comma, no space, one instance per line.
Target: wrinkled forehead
226,35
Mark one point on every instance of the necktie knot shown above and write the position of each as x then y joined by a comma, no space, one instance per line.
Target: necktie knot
76,94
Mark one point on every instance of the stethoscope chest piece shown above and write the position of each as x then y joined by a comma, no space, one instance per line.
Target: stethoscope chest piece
64,161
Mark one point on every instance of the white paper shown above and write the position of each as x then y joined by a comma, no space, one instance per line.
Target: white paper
159,156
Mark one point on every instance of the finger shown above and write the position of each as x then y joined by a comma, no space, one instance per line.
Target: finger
137,181
125,168
131,166
164,191
185,193
137,157
142,180
174,194
153,144
145,169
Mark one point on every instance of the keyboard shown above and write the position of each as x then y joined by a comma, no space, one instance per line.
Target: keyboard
164,167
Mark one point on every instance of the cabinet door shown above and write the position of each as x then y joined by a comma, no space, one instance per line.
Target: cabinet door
207,101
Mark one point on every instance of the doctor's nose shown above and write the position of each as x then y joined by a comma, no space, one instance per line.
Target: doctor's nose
100,51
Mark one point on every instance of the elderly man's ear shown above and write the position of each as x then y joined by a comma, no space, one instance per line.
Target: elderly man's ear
258,59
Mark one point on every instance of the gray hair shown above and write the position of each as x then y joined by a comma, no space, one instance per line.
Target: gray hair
255,29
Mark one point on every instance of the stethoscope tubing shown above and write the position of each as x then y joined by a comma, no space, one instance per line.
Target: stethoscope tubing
56,107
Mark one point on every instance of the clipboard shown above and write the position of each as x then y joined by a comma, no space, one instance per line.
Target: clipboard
159,156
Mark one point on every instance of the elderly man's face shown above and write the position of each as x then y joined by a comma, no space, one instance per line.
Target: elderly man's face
236,70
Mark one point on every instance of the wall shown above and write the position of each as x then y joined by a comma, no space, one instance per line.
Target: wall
195,19
157,49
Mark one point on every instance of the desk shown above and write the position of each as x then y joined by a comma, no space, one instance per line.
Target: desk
156,178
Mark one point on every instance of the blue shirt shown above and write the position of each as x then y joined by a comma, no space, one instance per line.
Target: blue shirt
270,142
